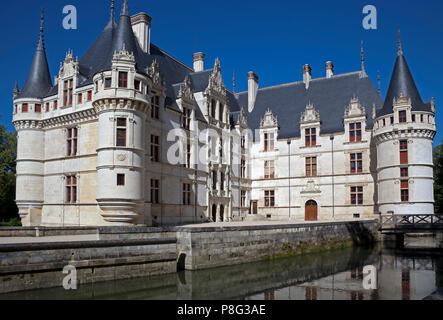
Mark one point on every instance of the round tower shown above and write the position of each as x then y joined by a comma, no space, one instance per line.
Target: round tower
404,130
27,115
122,105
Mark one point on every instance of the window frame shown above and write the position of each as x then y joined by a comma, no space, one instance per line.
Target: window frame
72,142
123,79
355,132
155,191
356,163
71,196
357,195
187,190
269,198
402,116
155,148
269,166
155,107
269,142
311,166
121,129
121,179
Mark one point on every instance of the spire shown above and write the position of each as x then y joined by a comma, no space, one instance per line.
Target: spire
124,34
399,46
233,82
379,82
16,89
402,84
112,10
39,79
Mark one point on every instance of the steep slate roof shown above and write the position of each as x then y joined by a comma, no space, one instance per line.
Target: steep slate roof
330,97
39,80
402,83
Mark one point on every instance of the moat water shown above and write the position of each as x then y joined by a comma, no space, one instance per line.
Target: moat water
414,273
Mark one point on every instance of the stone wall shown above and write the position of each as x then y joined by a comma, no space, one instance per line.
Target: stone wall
208,247
40,265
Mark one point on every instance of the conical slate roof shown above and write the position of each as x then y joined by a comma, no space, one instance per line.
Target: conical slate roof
402,84
39,80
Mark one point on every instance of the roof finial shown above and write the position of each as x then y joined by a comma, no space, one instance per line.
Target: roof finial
42,19
400,49
16,89
112,10
233,82
362,53
41,44
379,82
125,8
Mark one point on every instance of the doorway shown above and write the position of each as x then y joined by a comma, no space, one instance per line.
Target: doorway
311,211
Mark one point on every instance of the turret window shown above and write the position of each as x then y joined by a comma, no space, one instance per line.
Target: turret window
47,107
137,85
355,132
55,104
122,79
38,108
403,152
120,180
402,116
413,118
121,132
80,98
24,107
310,137
89,95
108,83
72,142
404,185
71,189
404,172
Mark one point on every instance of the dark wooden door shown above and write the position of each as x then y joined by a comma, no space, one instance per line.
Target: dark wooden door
311,211
254,207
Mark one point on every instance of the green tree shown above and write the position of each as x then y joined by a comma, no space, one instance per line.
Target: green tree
8,152
438,178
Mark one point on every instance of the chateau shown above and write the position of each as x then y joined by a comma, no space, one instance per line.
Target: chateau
129,135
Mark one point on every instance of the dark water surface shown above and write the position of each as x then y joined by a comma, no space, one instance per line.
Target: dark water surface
409,274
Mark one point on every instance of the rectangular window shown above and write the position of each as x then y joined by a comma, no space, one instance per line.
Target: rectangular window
243,142
243,168
213,107
220,113
269,170
80,98
15,109
384,122
90,95
222,181
67,92
122,79
392,120
55,104
120,179
404,172
38,108
71,189
186,194
155,148
355,132
356,195
24,107
403,152
72,142
413,118
47,107
356,163
421,118
269,142
188,155
121,132
108,83
311,166
404,188
269,198
155,191
186,118
311,137
214,180
402,116
243,199
155,107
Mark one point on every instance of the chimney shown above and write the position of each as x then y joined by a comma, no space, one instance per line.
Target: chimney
141,26
199,61
252,90
329,69
306,75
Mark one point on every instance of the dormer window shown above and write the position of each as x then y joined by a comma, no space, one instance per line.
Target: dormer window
311,137
269,142
402,116
355,132
67,92
122,79
186,121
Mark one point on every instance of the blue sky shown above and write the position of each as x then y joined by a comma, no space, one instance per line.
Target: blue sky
273,38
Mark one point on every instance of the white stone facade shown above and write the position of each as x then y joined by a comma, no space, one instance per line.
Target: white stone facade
224,178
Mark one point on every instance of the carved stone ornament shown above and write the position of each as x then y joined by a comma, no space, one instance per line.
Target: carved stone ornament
123,55
269,120
241,119
69,67
310,114
185,91
154,73
216,81
121,157
355,109
311,188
